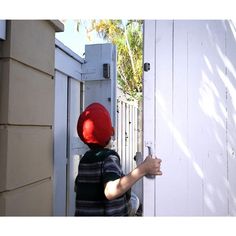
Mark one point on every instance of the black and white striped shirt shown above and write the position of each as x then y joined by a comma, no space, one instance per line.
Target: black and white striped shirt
96,168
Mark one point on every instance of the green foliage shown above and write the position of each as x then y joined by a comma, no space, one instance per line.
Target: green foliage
127,36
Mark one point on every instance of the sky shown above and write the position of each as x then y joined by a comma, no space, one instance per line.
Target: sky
75,40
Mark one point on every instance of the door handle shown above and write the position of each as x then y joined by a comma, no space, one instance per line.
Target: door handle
150,153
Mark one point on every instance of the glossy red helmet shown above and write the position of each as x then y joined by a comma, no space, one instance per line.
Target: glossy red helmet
94,125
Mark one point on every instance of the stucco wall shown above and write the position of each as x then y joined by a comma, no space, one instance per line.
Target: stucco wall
26,117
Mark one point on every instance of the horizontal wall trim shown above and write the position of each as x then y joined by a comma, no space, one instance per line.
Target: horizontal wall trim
27,125
26,186
27,65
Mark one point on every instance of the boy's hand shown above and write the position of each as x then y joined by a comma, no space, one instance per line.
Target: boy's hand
151,166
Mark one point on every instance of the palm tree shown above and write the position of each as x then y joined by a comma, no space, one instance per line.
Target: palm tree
127,36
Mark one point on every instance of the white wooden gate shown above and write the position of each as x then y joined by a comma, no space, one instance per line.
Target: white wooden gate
190,117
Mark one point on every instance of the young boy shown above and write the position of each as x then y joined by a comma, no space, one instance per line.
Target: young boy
101,187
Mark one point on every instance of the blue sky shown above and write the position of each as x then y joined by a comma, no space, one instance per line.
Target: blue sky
75,40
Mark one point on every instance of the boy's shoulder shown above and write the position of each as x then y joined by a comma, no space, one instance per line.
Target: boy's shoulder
107,152
99,155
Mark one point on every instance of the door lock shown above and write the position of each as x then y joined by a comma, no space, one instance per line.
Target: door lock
147,66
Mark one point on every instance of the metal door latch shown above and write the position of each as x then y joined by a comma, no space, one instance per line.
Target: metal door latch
150,153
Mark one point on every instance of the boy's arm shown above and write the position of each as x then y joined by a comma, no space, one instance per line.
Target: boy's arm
116,188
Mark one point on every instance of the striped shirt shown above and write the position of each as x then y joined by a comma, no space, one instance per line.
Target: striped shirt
96,168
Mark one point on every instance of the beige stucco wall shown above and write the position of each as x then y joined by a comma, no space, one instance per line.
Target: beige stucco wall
26,117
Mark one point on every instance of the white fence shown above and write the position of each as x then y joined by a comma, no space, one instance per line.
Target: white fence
127,131
128,136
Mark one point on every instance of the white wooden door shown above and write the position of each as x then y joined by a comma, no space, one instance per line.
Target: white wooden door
190,117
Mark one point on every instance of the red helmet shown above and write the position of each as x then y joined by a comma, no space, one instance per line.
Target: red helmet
94,125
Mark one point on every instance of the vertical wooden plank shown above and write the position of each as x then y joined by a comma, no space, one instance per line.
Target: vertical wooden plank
163,117
230,61
195,118
127,162
119,129
60,140
220,122
127,137
73,142
134,136
135,132
123,137
148,111
131,137
178,169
